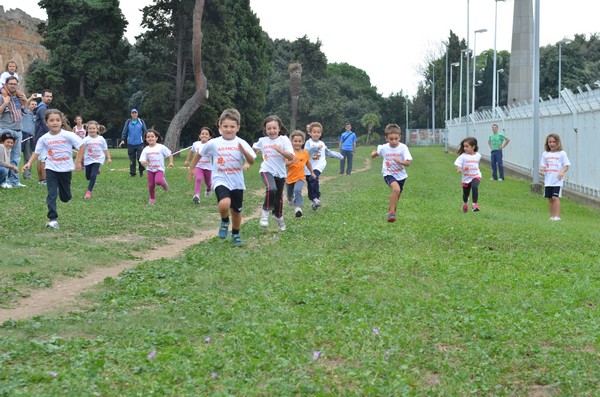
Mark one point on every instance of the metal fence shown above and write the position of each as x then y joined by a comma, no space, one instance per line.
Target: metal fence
573,116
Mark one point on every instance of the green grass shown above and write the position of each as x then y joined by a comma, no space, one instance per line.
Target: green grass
500,302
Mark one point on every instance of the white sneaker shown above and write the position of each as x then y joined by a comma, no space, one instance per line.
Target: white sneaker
280,223
52,224
264,218
298,212
196,199
500,179
19,184
316,203
6,185
555,218
208,193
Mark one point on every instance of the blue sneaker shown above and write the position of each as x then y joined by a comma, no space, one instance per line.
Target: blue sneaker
224,229
236,239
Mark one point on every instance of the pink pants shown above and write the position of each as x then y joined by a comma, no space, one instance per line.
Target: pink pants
200,173
156,178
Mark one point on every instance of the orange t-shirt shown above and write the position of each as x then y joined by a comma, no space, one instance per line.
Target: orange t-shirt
296,170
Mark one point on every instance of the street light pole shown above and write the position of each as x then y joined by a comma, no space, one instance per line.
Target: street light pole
498,86
460,86
495,104
406,132
560,43
433,98
475,65
451,97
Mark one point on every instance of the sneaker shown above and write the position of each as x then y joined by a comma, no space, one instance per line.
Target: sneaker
264,218
475,207
141,174
492,179
88,194
280,223
151,201
52,224
555,218
465,208
236,239
196,199
391,217
208,193
298,212
316,203
19,184
42,182
6,185
500,179
224,229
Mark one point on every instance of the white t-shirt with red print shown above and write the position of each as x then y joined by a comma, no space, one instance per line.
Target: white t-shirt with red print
469,164
155,157
94,150
273,161
58,150
205,162
228,161
390,166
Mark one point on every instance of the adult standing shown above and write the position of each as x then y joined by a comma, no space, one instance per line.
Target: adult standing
10,121
40,129
133,133
497,142
348,147
28,131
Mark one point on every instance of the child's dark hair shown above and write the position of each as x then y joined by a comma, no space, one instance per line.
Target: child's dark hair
558,143
51,112
210,132
156,133
471,141
6,135
282,129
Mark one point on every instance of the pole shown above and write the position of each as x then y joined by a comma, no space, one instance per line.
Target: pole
446,88
460,87
433,98
559,68
535,187
475,66
467,73
494,96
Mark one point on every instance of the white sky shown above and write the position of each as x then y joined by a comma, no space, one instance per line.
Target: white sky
390,39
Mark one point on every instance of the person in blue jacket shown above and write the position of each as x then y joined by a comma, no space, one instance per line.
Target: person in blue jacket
133,133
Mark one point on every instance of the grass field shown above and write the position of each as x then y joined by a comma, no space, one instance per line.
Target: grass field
499,302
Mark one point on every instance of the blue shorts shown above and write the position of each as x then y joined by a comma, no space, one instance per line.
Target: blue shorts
390,179
552,191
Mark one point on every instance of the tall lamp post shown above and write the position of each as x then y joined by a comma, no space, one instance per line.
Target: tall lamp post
406,132
455,64
494,96
475,65
498,86
460,85
560,43
433,97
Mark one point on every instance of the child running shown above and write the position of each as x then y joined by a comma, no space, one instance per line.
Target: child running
57,147
553,166
316,150
396,157
203,168
153,158
93,152
468,164
233,156
295,176
276,148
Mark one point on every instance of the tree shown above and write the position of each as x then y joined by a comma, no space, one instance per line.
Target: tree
370,120
295,79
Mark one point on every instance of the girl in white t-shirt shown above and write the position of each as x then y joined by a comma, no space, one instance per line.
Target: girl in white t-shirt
203,168
553,166
79,128
57,145
153,158
467,163
93,152
232,156
276,147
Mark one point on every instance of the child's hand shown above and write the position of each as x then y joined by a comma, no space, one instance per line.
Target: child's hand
190,175
246,166
186,163
313,175
458,169
171,165
26,167
561,175
374,153
109,160
78,166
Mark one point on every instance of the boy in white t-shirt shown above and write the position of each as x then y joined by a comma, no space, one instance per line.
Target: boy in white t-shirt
57,145
232,155
396,157
317,151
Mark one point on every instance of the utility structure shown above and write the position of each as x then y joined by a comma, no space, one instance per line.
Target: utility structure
520,81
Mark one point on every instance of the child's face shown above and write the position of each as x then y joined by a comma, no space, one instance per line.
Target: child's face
151,138
8,143
315,133
92,129
12,68
297,142
552,144
54,122
393,139
204,136
228,129
272,129
78,120
468,148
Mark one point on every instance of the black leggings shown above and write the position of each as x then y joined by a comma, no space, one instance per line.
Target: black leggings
473,185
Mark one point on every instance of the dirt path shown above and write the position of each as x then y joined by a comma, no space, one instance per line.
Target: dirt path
63,296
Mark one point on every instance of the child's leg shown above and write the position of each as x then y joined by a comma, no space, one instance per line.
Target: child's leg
466,193
313,186
41,170
554,204
52,188
475,190
64,186
289,191
270,191
93,174
207,179
394,196
199,174
298,201
224,205
280,184
151,185
159,179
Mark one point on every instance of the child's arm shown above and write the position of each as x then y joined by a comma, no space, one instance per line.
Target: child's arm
374,154
195,160
34,157
405,163
80,154
310,168
247,156
107,155
562,172
286,155
290,162
187,159
171,161
458,169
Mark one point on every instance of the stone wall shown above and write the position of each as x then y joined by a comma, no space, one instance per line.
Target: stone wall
20,40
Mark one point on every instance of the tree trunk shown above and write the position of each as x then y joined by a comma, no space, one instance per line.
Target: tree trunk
180,77
369,132
192,104
295,70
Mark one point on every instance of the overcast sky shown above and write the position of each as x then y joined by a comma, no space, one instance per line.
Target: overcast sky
390,40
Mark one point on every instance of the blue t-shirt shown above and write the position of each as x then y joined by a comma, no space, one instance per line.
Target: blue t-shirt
347,139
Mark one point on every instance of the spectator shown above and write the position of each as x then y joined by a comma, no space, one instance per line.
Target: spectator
133,133
348,148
